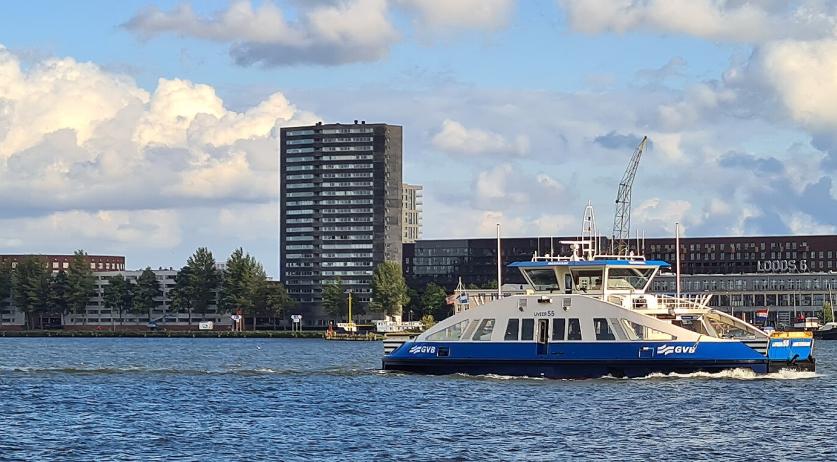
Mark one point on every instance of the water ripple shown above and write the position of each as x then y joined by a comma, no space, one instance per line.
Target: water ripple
226,399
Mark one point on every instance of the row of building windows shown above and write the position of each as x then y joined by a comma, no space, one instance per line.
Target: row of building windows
345,246
329,131
311,176
345,184
343,264
347,148
356,139
327,211
345,158
811,283
781,246
353,237
347,255
346,228
348,175
363,192
299,185
347,202
347,220
344,166
346,282
361,210
347,273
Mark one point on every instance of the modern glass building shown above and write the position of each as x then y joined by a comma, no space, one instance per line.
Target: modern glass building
340,208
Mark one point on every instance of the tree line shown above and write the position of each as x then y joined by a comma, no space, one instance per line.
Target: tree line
242,287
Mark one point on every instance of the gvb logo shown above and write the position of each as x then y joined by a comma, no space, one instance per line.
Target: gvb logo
422,349
666,350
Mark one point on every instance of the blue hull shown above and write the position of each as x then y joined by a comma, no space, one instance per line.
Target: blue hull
574,360
570,369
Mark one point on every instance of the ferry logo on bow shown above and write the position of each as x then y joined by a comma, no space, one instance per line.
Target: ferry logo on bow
666,350
422,349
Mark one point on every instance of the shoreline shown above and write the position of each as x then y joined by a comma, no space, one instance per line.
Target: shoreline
164,334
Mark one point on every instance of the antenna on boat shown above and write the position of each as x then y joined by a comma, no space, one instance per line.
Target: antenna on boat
589,233
499,265
677,249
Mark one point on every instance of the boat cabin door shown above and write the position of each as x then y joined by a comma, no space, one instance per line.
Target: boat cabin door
543,336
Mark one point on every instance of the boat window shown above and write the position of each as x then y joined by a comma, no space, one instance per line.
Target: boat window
587,280
617,329
574,329
639,332
568,283
692,323
512,329
602,329
527,331
543,279
628,278
484,331
558,329
449,333
470,329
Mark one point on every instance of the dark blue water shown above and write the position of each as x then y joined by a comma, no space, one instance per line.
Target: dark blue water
231,399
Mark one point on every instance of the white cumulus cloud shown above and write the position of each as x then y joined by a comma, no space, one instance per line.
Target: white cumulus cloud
88,157
474,14
454,137
333,33
734,21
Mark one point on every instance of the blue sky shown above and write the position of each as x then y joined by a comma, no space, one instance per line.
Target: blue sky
144,128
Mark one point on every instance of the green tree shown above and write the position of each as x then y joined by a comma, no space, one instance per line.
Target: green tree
181,293
827,314
274,300
414,305
389,291
427,321
242,284
82,283
145,292
203,280
118,295
5,282
433,300
335,299
59,293
30,282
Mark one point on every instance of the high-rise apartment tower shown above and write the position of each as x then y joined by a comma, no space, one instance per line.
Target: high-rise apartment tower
340,209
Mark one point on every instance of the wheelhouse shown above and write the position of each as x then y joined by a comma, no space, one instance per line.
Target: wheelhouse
596,277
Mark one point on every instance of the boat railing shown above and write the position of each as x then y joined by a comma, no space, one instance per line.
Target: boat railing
643,302
696,301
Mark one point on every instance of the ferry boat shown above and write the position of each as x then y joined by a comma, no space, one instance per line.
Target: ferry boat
585,316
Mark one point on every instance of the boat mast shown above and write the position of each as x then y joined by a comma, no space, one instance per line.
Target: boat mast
499,265
677,249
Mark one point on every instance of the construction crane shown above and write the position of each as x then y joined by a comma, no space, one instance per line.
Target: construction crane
622,217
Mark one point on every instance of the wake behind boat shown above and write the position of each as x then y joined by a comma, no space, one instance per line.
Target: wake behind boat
587,315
